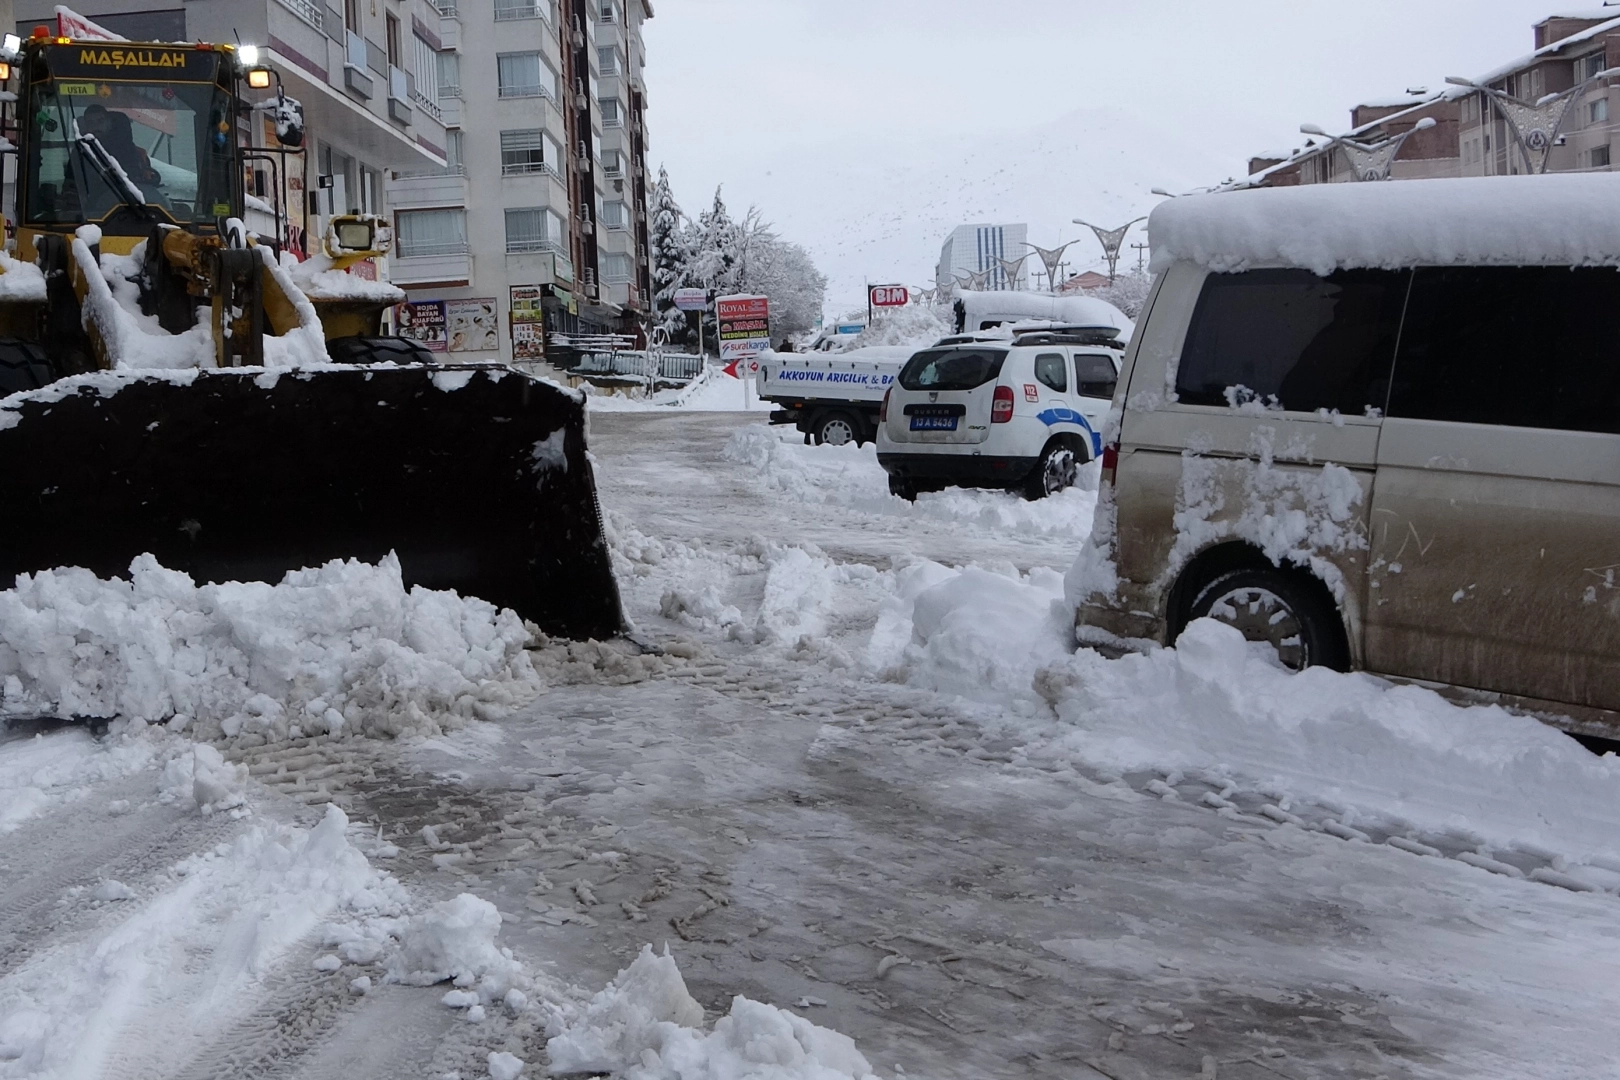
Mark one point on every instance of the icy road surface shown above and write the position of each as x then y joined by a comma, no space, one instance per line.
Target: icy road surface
860,786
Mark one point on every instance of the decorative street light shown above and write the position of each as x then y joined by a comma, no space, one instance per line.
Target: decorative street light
1112,240
974,280
1536,125
1053,258
1370,161
1010,271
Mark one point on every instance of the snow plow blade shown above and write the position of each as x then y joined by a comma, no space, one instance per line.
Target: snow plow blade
476,476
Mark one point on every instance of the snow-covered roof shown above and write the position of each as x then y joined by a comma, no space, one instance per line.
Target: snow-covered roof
1562,220
1071,310
1551,47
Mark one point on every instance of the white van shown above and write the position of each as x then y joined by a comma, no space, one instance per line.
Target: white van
1378,426
1024,413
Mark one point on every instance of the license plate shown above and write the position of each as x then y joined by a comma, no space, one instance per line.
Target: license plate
933,423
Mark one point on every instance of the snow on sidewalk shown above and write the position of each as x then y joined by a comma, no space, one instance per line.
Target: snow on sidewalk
344,648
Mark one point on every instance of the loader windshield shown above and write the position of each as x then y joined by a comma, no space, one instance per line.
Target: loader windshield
176,143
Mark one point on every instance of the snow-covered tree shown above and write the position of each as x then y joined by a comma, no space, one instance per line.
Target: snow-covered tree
1128,292
671,253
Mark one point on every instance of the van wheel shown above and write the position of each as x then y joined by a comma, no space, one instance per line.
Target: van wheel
1058,468
836,429
902,488
1280,609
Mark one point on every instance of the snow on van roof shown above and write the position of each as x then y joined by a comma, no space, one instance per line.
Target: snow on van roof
1561,220
1010,306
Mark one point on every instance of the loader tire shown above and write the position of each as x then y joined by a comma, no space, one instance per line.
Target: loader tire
23,367
377,350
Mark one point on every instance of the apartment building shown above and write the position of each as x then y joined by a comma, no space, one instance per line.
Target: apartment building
979,249
363,73
1468,135
537,223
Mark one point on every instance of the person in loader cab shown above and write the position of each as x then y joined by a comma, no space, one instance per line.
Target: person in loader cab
116,134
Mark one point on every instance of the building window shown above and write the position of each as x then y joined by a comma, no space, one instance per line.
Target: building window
506,10
1600,157
431,232
612,163
607,57
611,117
1595,65
532,230
449,74
427,70
609,12
523,152
1597,111
396,55
615,215
524,75
452,150
616,269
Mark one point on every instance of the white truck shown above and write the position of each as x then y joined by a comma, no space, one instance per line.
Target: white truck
832,397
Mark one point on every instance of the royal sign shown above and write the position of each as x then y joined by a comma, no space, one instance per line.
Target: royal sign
890,296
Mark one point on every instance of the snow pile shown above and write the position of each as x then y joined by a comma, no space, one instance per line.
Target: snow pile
90,1005
914,327
340,649
1218,703
800,603
455,941
711,391
972,632
21,282
112,313
1559,220
850,476
303,345
205,778
645,1026
320,279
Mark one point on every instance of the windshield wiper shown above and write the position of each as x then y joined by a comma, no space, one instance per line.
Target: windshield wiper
113,174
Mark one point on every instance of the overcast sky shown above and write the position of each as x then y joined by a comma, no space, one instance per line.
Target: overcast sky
865,129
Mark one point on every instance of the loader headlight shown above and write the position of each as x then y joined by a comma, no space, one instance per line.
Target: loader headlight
259,78
354,235
10,47
249,55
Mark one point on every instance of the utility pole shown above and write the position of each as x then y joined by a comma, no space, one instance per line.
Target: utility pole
1141,257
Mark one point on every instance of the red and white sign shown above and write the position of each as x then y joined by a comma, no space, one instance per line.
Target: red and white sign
71,24
745,326
890,296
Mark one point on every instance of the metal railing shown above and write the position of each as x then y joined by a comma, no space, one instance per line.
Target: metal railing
448,8
602,361
511,10
527,91
432,172
304,9
530,247
432,248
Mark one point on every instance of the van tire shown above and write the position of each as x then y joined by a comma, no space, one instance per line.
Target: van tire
1310,632
378,350
1058,468
835,427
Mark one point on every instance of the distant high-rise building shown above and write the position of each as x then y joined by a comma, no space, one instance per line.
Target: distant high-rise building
978,249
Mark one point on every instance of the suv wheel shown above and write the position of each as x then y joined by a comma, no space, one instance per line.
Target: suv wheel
837,429
1058,468
1279,609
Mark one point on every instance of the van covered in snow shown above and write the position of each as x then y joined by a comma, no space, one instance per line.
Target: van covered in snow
1378,426
976,311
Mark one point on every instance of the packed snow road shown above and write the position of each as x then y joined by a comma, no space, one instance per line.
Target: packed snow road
865,780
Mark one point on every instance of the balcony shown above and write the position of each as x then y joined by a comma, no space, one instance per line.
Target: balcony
308,10
449,29
513,10
450,106
521,91
444,269
428,189
530,246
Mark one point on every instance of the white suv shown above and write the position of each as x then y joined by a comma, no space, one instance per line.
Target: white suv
1024,415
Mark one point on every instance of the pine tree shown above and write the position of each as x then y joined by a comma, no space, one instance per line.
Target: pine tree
671,255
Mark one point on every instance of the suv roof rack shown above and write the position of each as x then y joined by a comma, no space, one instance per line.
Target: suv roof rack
1105,336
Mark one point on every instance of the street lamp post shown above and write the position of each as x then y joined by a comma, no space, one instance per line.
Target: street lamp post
1370,161
1536,125
1112,240
1011,269
1053,259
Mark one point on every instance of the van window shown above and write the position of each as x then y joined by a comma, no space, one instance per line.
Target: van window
1052,370
1095,376
1293,339
952,369
1518,346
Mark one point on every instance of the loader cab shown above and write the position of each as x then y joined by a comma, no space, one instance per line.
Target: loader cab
125,136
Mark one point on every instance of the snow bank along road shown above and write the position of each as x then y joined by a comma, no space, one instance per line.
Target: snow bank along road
867,784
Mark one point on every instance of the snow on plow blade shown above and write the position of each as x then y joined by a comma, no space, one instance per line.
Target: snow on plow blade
476,476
